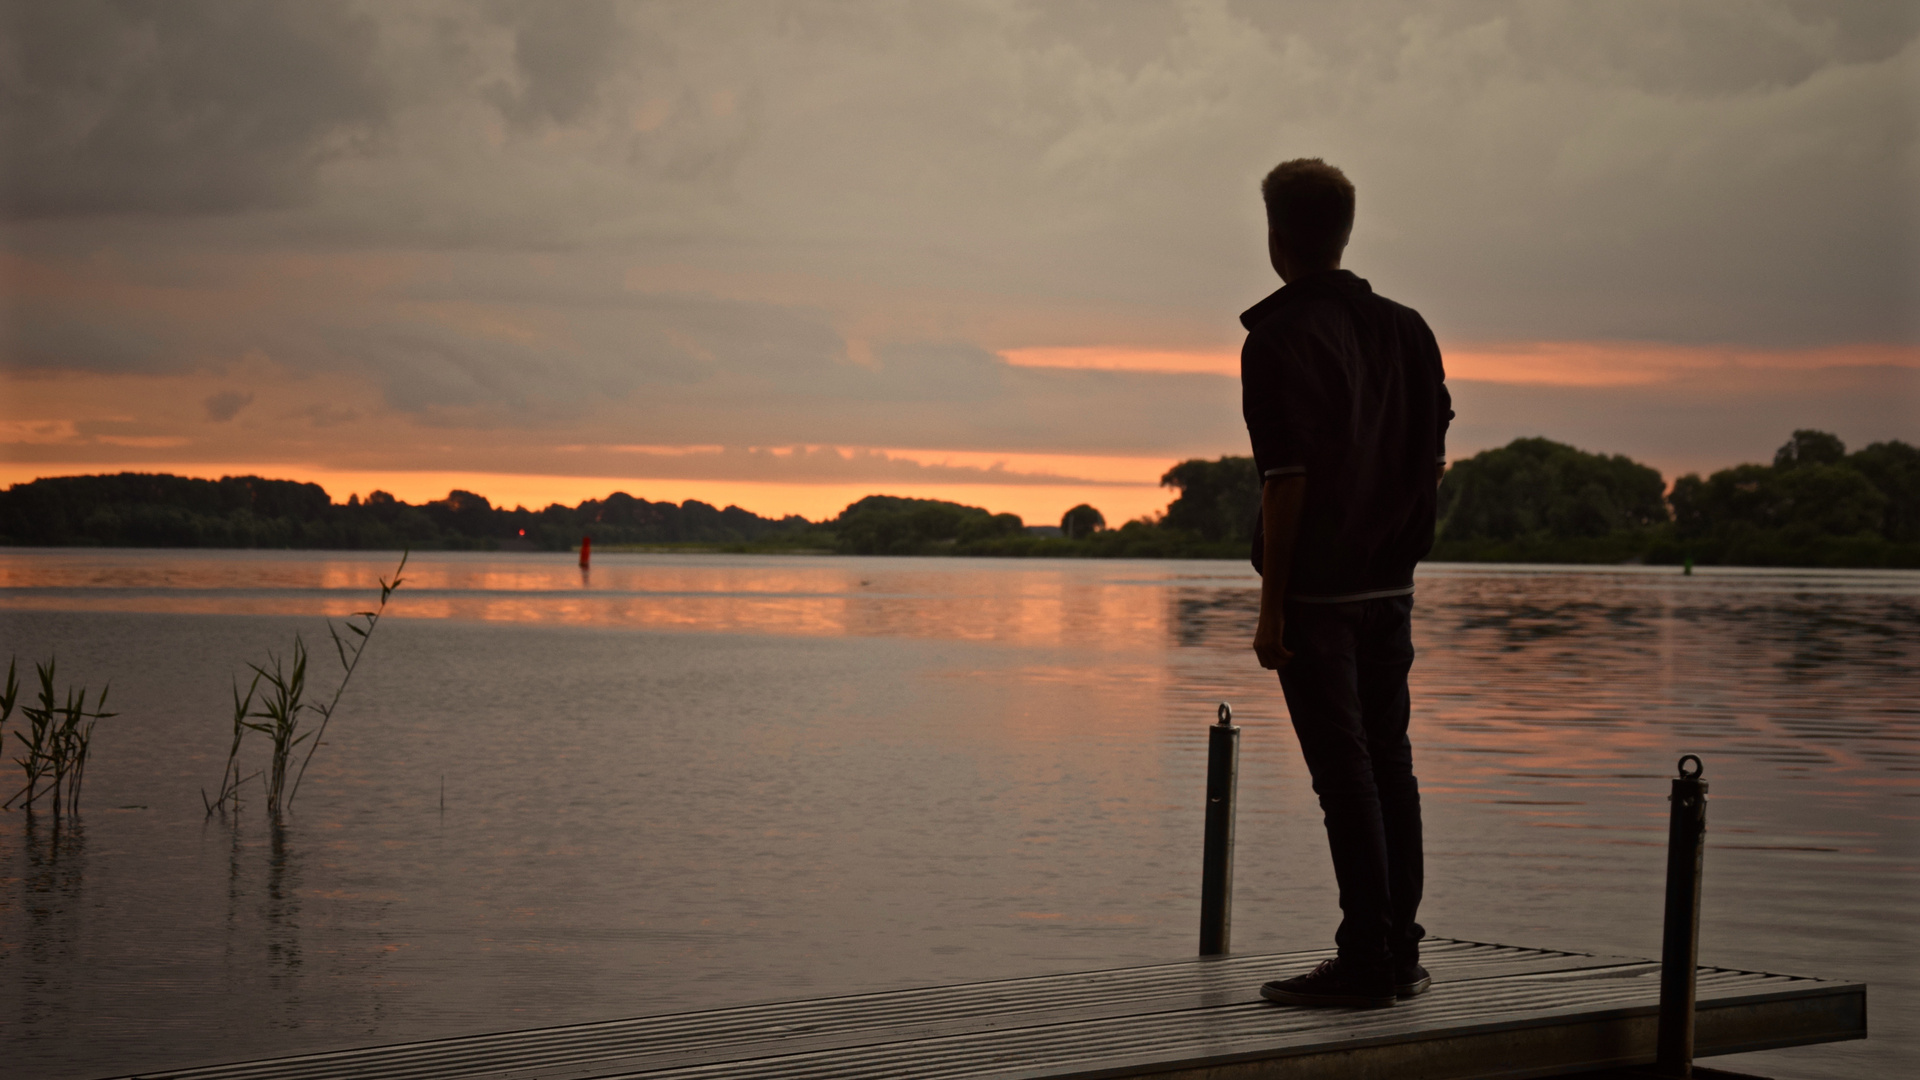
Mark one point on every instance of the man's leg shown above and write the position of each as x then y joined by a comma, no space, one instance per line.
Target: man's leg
1385,655
1324,697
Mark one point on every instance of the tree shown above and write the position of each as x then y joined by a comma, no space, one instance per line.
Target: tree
891,525
1820,499
1815,505
1540,489
1217,498
1894,469
1810,447
1082,521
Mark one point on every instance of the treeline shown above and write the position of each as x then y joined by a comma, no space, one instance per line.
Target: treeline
889,525
160,510
1533,500
164,511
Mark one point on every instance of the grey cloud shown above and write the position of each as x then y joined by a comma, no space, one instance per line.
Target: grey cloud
620,346
679,369
1735,171
561,54
1731,171
1122,35
226,405
817,464
180,107
1703,49
325,415
67,339
1696,423
987,405
426,367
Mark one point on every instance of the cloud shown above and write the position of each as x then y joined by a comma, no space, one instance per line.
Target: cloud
445,228
144,442
815,465
560,59
1651,364
72,340
1697,422
1727,171
180,107
1107,358
226,404
42,432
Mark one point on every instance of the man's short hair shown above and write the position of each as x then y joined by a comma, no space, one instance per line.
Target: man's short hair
1310,204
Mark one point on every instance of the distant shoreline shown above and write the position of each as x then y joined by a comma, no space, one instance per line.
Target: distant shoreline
1533,501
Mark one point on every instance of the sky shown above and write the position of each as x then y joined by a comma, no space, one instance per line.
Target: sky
787,254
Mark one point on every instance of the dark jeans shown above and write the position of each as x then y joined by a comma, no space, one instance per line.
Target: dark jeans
1346,689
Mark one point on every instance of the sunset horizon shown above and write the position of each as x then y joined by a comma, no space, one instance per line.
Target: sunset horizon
1018,539
770,257
1784,388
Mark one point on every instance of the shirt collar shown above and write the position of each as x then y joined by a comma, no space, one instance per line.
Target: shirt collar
1287,294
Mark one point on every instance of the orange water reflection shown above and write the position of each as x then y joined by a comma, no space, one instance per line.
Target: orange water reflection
825,775
1096,605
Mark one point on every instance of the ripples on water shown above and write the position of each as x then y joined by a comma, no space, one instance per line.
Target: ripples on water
685,781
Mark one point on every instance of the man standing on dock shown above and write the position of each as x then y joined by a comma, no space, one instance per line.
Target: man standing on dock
1347,406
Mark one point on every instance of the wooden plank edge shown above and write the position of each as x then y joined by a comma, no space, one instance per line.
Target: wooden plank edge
1613,1038
213,1070
769,1045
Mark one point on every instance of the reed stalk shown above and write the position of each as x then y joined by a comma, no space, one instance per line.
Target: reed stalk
230,778
8,698
280,687
278,717
57,742
349,651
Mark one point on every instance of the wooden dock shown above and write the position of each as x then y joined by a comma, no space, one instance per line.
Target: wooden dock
1495,1011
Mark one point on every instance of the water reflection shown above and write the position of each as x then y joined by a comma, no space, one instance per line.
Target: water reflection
1214,618
282,915
681,782
52,902
55,851
1097,604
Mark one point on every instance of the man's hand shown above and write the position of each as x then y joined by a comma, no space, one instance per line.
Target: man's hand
1266,640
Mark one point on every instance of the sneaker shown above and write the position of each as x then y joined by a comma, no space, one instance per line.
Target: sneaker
1335,982
1410,979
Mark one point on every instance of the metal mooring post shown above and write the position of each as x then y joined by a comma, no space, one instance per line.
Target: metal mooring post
1680,947
1216,870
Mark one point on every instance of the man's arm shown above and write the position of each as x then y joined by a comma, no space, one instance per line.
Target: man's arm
1280,500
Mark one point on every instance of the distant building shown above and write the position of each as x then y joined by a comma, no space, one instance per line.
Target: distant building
1044,530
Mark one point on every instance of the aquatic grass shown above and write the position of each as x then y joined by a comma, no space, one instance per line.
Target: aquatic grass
280,687
57,742
230,778
349,651
278,717
8,698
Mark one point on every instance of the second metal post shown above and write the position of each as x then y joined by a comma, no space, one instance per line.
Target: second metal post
1680,947
1216,872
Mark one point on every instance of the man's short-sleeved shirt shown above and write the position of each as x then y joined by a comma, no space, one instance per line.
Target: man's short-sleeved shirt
1346,388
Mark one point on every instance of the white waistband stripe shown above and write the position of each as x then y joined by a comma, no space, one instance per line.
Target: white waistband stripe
1349,598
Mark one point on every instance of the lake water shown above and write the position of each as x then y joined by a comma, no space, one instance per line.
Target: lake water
684,781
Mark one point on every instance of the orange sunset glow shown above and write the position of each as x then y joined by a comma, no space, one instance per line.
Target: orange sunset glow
750,277
751,511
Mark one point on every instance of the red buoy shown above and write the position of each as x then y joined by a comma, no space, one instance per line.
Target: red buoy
586,550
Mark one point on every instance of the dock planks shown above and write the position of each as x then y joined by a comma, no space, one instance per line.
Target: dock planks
1495,1011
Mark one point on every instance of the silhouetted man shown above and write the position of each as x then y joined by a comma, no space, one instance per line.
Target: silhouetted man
1347,406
